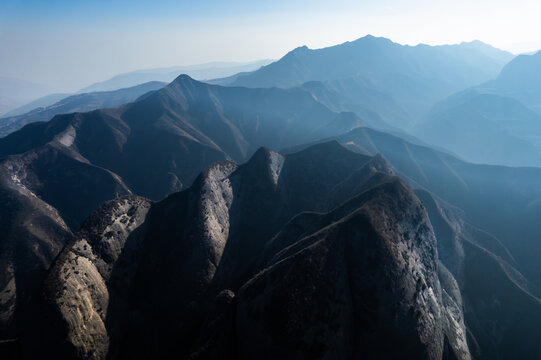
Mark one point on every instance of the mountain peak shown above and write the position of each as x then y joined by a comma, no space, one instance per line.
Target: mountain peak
266,160
522,71
372,37
185,85
483,46
473,42
262,152
301,50
372,57
184,78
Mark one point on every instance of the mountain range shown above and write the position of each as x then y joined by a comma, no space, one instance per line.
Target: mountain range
200,72
54,174
125,80
414,77
520,79
76,103
280,213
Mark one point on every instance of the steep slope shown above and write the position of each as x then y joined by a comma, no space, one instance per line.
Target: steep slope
501,307
32,234
76,103
225,218
415,77
380,111
502,201
520,79
44,192
349,286
64,179
81,288
342,283
485,128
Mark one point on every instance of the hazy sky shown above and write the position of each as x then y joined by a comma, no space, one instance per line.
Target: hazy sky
69,44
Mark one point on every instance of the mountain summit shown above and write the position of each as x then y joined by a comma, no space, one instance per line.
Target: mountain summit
413,76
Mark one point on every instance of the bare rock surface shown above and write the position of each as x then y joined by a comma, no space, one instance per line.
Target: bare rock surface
80,286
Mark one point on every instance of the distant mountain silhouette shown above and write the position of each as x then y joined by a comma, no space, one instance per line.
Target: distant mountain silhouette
485,128
76,103
521,79
362,97
497,122
199,72
414,76
16,92
44,101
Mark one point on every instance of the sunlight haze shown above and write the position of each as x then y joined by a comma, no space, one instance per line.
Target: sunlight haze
67,45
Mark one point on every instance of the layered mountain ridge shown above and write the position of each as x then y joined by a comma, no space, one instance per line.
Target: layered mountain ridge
204,243
352,241
250,265
496,122
411,77
501,201
76,103
69,166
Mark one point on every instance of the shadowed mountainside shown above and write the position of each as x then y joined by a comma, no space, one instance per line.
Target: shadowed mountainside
234,235
502,201
199,72
55,174
321,250
319,253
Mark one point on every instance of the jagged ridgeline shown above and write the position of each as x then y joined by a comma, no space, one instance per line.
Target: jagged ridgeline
320,253
167,227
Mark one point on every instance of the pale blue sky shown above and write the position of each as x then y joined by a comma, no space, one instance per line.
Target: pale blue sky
68,44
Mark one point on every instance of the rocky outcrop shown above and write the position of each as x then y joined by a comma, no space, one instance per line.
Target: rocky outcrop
347,282
82,288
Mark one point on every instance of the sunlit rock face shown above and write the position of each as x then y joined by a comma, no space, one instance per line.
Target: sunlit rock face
89,278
